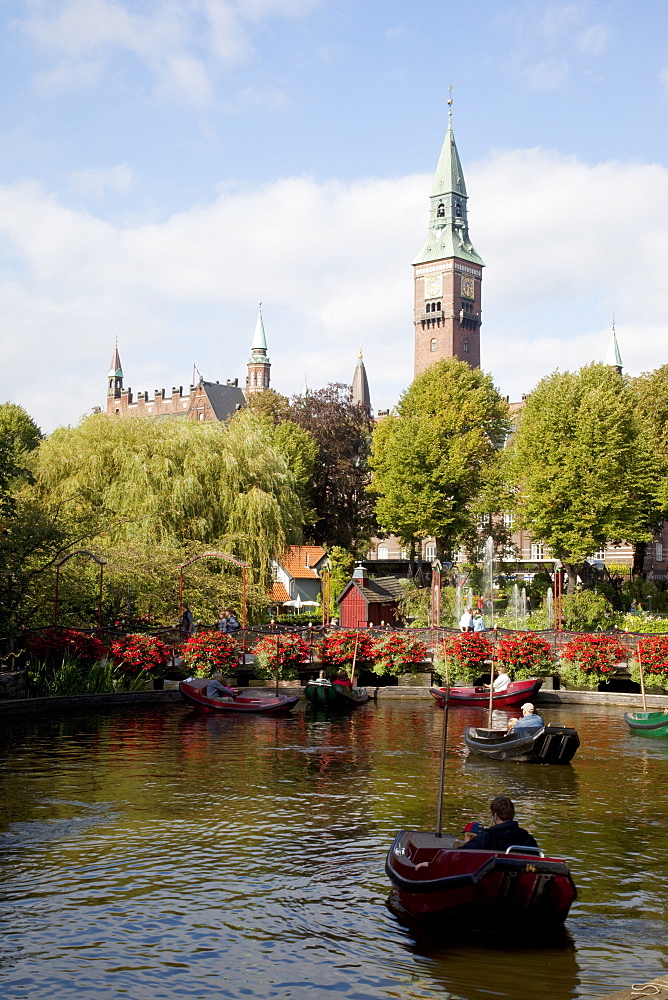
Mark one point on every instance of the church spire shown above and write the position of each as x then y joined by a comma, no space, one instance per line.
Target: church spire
448,234
360,388
115,377
613,357
259,365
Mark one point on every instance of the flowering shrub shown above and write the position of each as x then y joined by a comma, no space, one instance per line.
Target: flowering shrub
590,659
207,652
135,653
653,652
396,652
338,648
468,655
525,655
55,643
284,652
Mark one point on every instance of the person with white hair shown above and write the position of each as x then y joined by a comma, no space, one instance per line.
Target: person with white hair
530,719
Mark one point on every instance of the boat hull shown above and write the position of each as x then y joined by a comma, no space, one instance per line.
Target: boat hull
516,694
335,696
194,693
551,744
481,890
648,723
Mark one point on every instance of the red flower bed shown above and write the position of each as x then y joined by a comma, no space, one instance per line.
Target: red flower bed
287,650
525,654
594,655
394,652
469,649
54,643
337,648
653,655
211,651
139,652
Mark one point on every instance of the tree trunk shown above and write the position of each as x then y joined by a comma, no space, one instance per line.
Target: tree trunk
572,571
639,553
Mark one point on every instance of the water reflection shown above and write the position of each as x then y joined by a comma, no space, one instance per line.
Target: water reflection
166,853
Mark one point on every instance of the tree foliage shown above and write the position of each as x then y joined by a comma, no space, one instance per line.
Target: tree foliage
583,465
433,455
145,495
344,513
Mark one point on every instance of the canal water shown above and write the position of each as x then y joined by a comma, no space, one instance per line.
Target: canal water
160,853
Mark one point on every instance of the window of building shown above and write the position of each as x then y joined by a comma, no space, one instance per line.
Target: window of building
466,347
658,551
430,551
383,552
599,556
438,307
432,344
508,521
405,554
537,550
459,556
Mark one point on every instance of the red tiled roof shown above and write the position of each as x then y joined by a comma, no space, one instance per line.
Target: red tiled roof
278,593
299,561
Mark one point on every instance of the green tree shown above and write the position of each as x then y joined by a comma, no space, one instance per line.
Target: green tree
583,467
341,565
433,456
651,393
344,510
146,494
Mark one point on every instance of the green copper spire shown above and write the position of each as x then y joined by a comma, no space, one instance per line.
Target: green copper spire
613,357
448,224
259,345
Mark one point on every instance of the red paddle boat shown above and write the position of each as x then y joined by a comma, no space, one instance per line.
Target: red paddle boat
514,695
490,890
194,691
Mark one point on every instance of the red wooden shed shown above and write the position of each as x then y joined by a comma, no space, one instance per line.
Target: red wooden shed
369,602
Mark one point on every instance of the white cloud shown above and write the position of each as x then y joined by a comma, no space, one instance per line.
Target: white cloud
179,42
548,41
97,183
565,243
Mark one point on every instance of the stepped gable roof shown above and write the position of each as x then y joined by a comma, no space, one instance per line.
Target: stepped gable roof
387,588
300,561
278,593
225,399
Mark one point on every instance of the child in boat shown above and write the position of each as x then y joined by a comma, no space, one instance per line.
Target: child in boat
343,679
217,690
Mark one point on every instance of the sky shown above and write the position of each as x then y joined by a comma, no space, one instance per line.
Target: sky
165,166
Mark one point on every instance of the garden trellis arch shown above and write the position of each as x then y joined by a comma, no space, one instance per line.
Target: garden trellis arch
227,558
101,563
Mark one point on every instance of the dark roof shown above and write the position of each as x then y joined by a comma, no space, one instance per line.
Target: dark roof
381,591
225,399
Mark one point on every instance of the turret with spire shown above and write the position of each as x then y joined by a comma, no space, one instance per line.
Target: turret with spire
360,386
259,365
448,270
613,357
115,377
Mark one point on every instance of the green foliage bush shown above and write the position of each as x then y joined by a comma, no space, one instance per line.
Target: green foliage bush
586,611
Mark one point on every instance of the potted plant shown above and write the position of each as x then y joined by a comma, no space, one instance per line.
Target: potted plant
396,653
137,656
526,655
280,655
652,651
469,655
204,653
590,659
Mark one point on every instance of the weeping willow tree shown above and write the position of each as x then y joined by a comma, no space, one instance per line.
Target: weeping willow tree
156,492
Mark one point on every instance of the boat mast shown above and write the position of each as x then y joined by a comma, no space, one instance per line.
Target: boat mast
441,778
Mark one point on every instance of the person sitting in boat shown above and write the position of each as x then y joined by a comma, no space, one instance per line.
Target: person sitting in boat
471,830
219,691
530,719
504,832
501,681
343,679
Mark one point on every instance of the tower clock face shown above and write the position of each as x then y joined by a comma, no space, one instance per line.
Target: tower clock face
433,286
468,288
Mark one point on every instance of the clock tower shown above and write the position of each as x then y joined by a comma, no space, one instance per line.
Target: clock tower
448,271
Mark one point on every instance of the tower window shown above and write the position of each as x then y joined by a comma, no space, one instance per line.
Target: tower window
441,211
432,344
458,210
466,346
428,307
438,307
